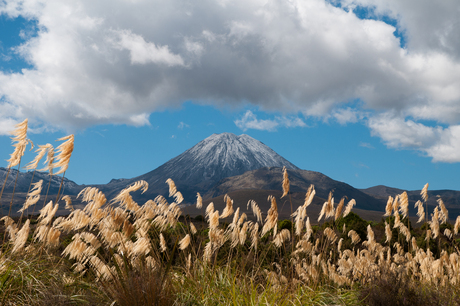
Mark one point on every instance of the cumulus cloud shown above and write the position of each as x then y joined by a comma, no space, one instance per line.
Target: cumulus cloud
250,121
93,65
142,52
347,115
442,144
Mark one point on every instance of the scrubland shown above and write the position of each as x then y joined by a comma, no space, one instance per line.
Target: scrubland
121,252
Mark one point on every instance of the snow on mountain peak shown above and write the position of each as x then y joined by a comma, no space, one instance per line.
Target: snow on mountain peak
223,155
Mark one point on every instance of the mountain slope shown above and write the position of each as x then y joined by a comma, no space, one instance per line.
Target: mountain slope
202,166
24,180
270,178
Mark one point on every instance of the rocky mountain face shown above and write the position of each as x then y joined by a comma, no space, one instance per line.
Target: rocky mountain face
196,170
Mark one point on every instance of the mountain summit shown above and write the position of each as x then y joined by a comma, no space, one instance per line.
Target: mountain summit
211,160
223,155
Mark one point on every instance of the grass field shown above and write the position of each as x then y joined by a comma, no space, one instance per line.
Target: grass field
120,252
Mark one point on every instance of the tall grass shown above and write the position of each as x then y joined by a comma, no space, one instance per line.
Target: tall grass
120,252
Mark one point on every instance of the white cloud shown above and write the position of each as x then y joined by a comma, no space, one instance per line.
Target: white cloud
442,144
250,121
143,52
366,145
94,67
347,115
183,125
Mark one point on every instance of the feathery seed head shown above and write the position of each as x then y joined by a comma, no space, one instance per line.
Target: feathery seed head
354,237
192,228
285,182
420,211
184,243
389,207
323,211
68,202
172,187
33,196
330,234
178,197
444,214
228,210
448,233
330,211
309,195
21,238
339,209
404,201
388,232
199,201
64,152
349,207
20,142
209,210
457,225
49,161
162,243
255,210
41,151
424,192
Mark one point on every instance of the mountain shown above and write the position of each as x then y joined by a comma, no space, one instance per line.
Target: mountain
25,178
451,198
199,168
270,178
228,164
22,182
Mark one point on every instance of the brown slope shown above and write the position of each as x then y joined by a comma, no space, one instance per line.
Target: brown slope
270,178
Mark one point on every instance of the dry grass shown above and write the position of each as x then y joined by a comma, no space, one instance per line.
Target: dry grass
122,253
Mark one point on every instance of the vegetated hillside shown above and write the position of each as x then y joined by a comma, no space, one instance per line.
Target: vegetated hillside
202,166
269,178
451,198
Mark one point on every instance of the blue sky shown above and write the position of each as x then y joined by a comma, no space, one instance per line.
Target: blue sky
365,92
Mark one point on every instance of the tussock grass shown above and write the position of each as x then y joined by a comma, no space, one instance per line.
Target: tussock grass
120,252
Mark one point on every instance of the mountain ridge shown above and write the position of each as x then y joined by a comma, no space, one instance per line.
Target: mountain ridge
227,163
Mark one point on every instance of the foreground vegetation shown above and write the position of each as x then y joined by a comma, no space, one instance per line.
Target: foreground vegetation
121,253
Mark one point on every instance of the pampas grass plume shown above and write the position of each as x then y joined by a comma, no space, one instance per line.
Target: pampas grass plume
339,209
424,192
285,182
309,195
420,211
199,201
20,142
184,243
349,207
172,187
162,243
389,207
41,151
21,237
192,228
64,152
228,210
